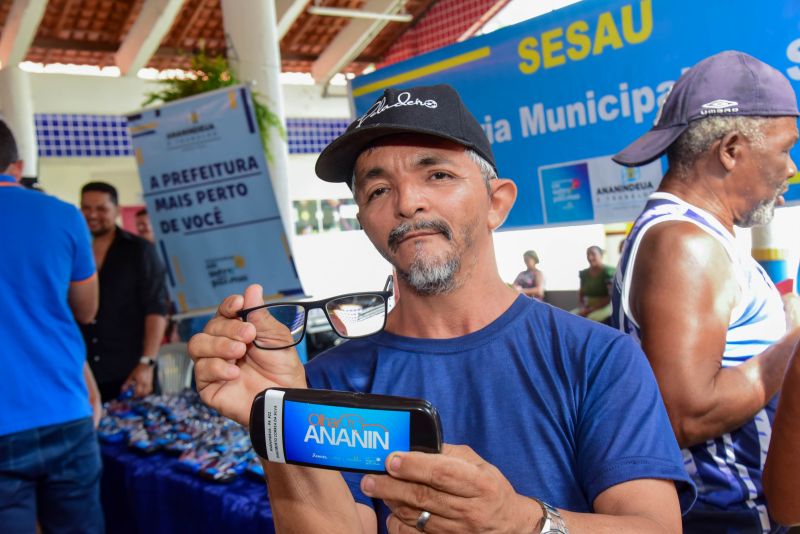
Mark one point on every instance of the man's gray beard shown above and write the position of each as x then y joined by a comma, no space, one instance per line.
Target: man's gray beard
427,276
760,215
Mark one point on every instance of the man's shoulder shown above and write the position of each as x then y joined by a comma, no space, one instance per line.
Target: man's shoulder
46,201
130,237
565,331
578,327
679,240
133,241
46,209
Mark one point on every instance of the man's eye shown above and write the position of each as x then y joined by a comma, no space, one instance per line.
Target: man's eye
441,175
377,192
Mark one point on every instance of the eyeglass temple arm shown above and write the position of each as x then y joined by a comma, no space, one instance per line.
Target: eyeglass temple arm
389,285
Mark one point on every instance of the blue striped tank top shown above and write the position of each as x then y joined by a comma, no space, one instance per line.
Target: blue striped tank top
727,470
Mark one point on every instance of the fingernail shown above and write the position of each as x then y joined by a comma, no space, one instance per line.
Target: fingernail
244,330
394,463
367,484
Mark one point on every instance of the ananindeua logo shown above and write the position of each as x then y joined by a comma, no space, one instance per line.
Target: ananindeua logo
719,106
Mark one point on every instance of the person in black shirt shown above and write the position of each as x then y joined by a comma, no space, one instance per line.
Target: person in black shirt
123,341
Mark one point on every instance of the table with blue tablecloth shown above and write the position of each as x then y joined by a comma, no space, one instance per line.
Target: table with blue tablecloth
150,494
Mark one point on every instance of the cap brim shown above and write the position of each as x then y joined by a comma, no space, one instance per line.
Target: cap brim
649,147
336,162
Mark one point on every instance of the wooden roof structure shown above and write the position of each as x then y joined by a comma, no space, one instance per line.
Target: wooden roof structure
112,32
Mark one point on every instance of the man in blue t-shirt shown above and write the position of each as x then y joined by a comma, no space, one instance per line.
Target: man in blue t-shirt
559,423
49,455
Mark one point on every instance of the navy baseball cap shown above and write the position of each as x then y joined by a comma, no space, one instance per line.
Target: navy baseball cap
435,110
728,83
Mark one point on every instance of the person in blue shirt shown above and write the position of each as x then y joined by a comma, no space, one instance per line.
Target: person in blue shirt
49,455
553,423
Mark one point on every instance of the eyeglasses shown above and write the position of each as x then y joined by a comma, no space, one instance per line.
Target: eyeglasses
281,325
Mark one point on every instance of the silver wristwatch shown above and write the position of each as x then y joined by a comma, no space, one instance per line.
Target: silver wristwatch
552,522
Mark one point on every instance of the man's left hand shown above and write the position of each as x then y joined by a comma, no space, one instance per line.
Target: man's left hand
142,379
461,491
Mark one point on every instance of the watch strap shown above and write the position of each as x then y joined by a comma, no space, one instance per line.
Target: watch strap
551,522
147,360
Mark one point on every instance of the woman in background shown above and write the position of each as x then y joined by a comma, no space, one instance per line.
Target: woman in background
530,282
594,295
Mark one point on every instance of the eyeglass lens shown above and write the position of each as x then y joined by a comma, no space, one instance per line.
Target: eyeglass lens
278,326
357,315
283,325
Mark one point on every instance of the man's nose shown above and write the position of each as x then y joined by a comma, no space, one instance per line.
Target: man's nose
411,199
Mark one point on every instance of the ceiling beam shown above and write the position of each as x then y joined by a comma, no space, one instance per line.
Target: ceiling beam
188,26
150,28
66,12
19,30
352,40
287,12
74,44
171,52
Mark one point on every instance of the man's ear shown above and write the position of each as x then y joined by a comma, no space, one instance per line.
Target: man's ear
730,148
504,193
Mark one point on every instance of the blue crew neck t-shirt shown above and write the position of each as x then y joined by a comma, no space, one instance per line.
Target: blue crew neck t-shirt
563,406
46,247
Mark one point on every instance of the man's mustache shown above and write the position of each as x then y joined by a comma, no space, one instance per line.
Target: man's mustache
400,231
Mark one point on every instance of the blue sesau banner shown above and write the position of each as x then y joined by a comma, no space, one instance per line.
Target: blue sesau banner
558,95
210,199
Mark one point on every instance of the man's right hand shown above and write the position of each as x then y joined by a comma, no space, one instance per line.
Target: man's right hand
230,370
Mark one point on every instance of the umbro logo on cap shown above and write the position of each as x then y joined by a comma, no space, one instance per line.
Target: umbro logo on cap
720,104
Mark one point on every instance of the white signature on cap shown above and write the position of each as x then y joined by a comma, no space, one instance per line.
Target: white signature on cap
403,99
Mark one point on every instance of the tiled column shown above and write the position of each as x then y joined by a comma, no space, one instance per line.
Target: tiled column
16,106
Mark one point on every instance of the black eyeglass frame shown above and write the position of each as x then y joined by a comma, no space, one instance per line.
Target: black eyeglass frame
313,304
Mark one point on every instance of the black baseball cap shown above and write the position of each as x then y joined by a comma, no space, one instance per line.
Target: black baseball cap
728,83
435,110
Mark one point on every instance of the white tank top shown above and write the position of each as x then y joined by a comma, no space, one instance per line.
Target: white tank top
726,470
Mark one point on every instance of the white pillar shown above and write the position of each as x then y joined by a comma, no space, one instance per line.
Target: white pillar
254,56
16,109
